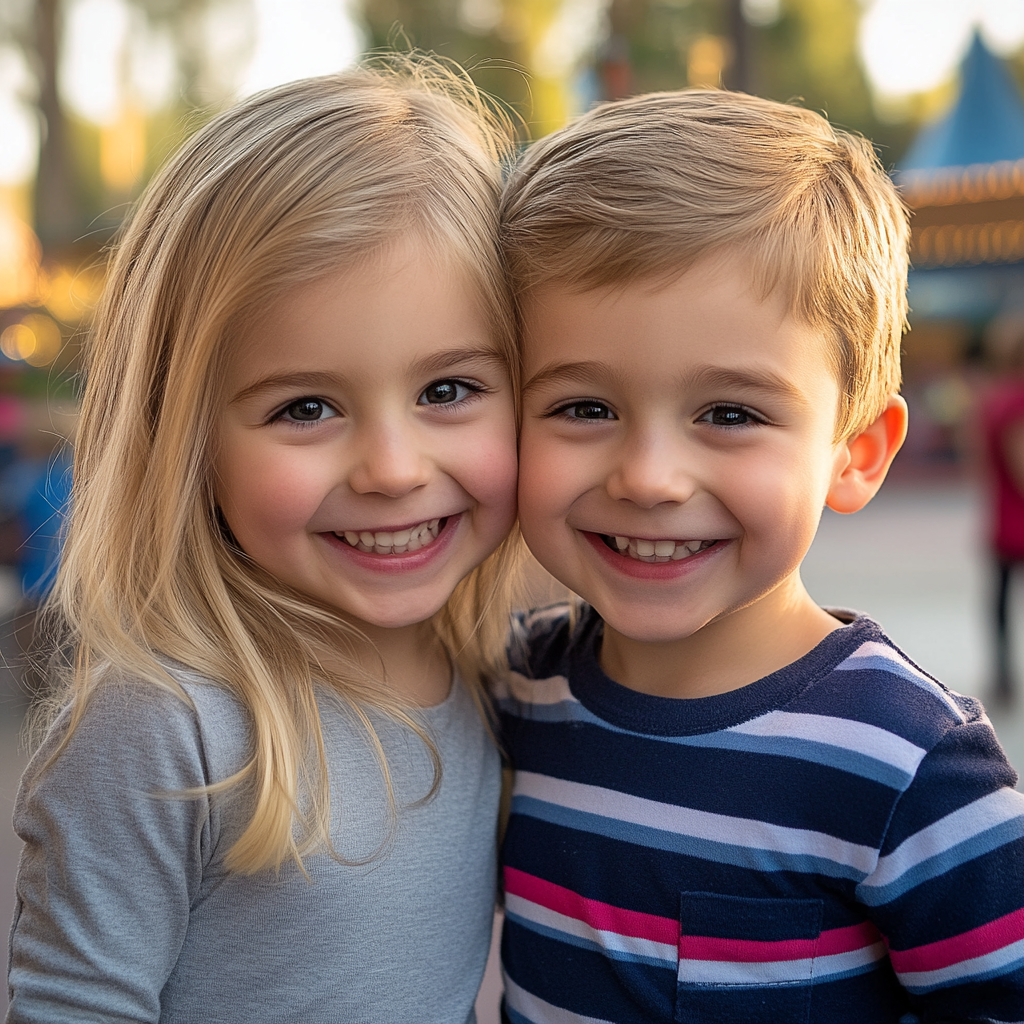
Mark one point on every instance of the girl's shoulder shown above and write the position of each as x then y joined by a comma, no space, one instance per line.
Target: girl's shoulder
134,727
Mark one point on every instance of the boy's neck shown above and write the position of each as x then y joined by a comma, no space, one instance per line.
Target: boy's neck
727,653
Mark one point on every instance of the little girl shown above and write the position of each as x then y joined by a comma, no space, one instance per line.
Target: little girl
271,795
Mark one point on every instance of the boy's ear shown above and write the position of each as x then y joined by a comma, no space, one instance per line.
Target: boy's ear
865,458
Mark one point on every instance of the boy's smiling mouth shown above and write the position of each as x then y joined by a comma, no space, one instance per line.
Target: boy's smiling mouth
643,550
394,542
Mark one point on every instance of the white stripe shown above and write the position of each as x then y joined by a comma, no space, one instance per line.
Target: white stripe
715,972
725,972
720,828
944,834
538,1011
874,649
629,944
838,732
837,963
965,968
554,690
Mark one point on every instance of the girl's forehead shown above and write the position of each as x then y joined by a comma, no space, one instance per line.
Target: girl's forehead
403,314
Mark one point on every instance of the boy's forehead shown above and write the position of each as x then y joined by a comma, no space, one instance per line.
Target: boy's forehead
707,326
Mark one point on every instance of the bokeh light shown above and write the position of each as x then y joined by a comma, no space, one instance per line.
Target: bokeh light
36,340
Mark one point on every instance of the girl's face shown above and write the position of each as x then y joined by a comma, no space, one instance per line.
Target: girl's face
367,448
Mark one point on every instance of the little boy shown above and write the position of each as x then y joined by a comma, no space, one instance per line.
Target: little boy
730,805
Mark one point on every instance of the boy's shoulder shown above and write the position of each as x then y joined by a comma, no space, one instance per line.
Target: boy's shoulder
542,641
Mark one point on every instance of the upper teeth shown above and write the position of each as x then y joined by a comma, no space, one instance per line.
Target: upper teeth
385,543
660,550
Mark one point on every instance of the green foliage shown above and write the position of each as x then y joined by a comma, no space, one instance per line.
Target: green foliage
493,53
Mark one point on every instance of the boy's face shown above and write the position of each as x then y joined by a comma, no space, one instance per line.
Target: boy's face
677,447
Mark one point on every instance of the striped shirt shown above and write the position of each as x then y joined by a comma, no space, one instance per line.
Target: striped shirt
837,842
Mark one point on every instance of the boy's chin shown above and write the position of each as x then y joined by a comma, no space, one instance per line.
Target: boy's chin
642,627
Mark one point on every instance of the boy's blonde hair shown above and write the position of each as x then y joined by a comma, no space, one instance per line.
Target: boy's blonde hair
288,186
646,187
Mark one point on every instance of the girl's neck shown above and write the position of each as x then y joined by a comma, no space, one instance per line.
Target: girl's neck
415,662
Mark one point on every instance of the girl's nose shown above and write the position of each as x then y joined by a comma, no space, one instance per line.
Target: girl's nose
390,462
650,470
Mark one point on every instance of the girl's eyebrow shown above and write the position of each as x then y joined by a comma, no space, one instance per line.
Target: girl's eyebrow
449,358
306,379
313,380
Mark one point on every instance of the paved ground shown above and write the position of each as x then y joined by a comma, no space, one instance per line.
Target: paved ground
912,559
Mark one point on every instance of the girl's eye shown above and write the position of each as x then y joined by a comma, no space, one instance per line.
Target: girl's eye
308,410
587,411
729,416
446,392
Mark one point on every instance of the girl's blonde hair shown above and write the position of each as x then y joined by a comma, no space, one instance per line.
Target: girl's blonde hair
282,189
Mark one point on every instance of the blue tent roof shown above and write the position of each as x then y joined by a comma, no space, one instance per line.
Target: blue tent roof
986,124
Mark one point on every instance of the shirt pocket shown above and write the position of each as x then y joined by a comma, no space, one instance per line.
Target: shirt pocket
746,961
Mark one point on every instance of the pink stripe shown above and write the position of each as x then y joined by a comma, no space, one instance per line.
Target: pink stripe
600,916
751,951
846,940
966,946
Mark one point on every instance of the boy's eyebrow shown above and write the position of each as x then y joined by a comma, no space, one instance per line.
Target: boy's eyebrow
750,380
313,380
586,372
724,377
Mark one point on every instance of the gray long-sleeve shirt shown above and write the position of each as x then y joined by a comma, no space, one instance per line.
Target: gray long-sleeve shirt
125,911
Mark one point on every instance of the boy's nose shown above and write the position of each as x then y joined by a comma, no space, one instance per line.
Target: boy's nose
389,462
651,470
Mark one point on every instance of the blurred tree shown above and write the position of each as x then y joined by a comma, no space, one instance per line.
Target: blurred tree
69,190
58,217
489,37
799,50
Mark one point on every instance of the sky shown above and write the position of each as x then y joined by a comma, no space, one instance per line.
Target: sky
907,46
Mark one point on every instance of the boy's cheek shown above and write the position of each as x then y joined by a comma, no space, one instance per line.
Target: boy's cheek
547,480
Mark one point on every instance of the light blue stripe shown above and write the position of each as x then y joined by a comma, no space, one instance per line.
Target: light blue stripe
976,846
966,979
856,763
852,761
897,668
515,1016
752,858
594,947
851,972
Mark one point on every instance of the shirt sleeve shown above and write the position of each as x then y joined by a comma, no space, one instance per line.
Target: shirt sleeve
112,860
948,890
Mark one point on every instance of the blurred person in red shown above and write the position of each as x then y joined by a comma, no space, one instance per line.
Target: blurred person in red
1002,425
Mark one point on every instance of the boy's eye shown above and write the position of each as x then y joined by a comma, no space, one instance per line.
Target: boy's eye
587,411
729,416
445,392
309,410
